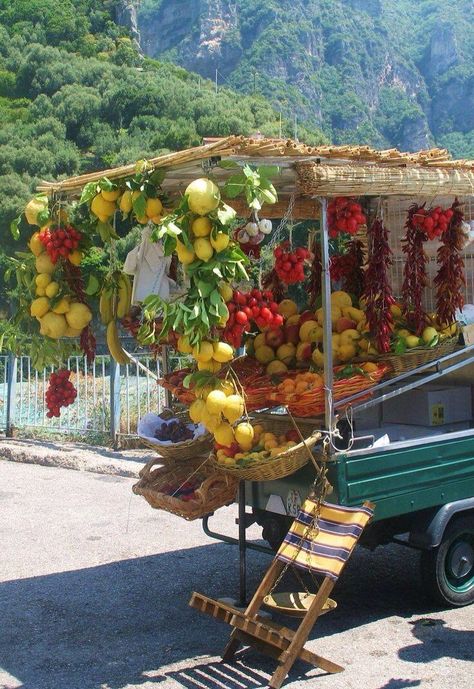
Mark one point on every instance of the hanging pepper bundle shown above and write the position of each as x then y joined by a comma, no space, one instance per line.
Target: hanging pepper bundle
414,272
347,268
451,276
271,281
378,293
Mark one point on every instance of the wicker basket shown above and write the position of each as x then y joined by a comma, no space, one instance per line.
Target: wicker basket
283,464
312,403
188,449
401,363
216,489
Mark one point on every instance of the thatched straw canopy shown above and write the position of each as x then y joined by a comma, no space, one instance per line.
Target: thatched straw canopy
307,170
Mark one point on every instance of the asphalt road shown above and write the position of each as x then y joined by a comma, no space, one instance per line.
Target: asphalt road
94,586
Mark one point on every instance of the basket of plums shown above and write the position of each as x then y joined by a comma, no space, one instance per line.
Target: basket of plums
174,436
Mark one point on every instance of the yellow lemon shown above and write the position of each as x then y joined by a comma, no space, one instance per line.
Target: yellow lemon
216,402
101,208
110,195
62,306
212,366
44,264
412,341
78,316
196,410
429,334
221,241
234,408
201,227
224,434
185,255
126,203
43,280
264,354
39,307
52,289
203,249
34,207
227,387
53,325
204,351
75,257
71,332
226,291
40,292
276,366
203,392
203,196
287,308
153,207
210,421
183,345
223,352
36,247
244,435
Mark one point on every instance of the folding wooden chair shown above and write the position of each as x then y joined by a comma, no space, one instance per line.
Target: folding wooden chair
320,540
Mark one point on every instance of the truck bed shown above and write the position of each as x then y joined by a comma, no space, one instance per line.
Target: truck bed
400,478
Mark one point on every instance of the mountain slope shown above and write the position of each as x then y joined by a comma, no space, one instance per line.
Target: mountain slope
370,71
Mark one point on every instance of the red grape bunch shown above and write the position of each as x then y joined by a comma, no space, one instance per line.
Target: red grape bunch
345,215
289,265
61,242
244,308
60,393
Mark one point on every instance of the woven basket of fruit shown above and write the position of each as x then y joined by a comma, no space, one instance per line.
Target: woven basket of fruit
303,393
417,356
275,449
258,390
184,439
174,383
190,491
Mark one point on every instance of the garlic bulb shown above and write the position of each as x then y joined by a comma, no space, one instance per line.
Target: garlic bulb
258,239
242,237
251,228
265,226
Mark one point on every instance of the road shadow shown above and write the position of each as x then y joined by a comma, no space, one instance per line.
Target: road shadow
437,641
117,624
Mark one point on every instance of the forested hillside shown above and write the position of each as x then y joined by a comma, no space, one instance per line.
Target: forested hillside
386,72
75,95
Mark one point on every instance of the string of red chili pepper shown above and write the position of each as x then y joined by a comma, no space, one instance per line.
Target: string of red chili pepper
75,281
378,292
271,281
451,277
347,268
414,272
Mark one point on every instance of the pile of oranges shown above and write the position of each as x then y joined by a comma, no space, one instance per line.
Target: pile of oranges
301,383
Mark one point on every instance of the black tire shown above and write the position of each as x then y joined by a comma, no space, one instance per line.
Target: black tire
448,570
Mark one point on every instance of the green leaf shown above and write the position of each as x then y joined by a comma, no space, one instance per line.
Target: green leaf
215,297
267,196
187,380
93,286
15,229
204,288
139,205
88,192
268,170
233,189
228,164
400,346
105,184
157,177
226,214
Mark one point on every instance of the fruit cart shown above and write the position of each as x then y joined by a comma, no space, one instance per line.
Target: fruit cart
324,351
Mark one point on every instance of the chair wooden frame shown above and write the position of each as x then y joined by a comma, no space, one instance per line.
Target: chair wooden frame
268,637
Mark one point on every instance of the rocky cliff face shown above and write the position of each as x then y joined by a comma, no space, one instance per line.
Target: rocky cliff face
378,73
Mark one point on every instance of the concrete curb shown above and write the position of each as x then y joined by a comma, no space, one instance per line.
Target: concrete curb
75,456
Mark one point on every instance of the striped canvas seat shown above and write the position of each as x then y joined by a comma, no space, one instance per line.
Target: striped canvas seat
326,549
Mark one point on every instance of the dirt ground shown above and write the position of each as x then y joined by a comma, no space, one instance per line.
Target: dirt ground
94,590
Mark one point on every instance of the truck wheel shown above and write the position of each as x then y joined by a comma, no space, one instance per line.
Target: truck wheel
448,570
